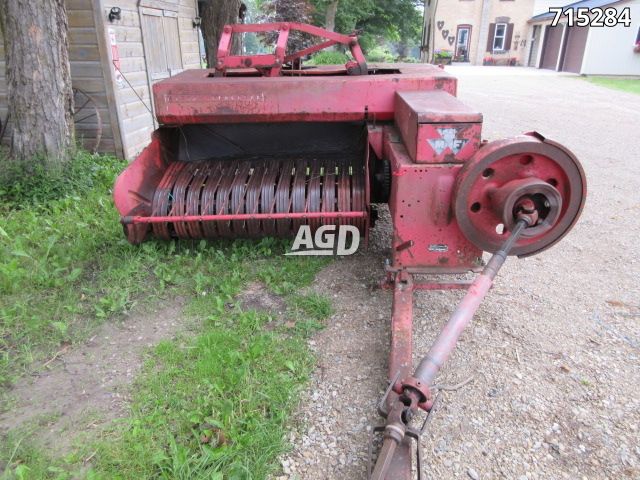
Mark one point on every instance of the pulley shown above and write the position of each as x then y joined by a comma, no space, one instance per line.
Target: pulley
507,177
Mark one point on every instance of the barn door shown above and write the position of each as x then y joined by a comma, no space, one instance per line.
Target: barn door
161,39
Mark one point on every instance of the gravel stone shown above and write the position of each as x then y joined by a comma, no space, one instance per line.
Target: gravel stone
473,475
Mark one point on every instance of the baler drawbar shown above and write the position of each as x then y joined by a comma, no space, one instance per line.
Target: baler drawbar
262,145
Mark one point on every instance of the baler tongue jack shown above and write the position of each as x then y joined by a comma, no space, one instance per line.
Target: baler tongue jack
262,146
414,393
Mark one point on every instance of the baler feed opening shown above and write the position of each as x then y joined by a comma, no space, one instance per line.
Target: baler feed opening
257,187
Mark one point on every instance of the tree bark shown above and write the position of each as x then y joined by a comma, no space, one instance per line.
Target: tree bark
40,98
215,15
330,16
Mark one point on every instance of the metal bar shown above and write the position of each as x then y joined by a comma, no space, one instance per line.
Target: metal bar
246,61
310,50
399,467
442,286
400,364
432,285
281,48
400,357
466,309
240,216
387,455
311,29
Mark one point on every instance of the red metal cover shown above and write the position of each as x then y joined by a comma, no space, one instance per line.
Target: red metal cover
437,127
197,96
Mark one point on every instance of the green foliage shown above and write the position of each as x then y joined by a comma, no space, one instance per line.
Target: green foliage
43,182
443,54
329,57
211,405
379,20
380,55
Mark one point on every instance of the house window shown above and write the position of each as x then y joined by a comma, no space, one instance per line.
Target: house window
499,37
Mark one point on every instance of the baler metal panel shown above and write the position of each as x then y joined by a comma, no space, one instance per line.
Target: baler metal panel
197,96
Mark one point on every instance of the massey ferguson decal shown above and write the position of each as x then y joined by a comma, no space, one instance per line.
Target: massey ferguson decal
448,139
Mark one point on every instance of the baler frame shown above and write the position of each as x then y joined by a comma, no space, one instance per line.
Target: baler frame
271,65
451,195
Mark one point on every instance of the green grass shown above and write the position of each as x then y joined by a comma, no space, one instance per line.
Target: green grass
631,85
214,403
328,57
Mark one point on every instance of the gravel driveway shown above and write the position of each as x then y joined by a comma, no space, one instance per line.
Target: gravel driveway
553,352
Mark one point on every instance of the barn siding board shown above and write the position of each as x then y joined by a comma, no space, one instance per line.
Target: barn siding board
130,50
129,96
129,34
84,53
80,18
137,123
86,70
79,5
132,64
82,36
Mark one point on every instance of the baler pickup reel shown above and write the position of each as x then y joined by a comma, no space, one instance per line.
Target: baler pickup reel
260,146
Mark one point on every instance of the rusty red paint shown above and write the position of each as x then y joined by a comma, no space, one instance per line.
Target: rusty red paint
422,213
436,127
197,96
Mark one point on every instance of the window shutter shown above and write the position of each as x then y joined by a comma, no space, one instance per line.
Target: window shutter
507,40
492,33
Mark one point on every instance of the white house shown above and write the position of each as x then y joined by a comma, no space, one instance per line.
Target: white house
588,50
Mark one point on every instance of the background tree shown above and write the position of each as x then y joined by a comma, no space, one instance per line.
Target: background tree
40,98
215,15
379,21
300,11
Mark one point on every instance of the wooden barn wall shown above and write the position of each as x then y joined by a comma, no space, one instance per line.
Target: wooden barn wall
133,89
86,73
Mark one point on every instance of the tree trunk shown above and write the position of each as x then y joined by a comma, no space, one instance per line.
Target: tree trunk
40,98
215,15
330,16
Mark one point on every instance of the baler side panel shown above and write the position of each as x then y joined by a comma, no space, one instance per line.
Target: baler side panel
426,234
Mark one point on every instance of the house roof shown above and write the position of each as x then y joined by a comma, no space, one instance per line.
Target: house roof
581,4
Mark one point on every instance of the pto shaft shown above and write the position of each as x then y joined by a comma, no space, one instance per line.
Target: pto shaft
415,390
466,309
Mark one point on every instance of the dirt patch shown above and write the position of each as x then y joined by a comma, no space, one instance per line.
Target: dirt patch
88,385
256,296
